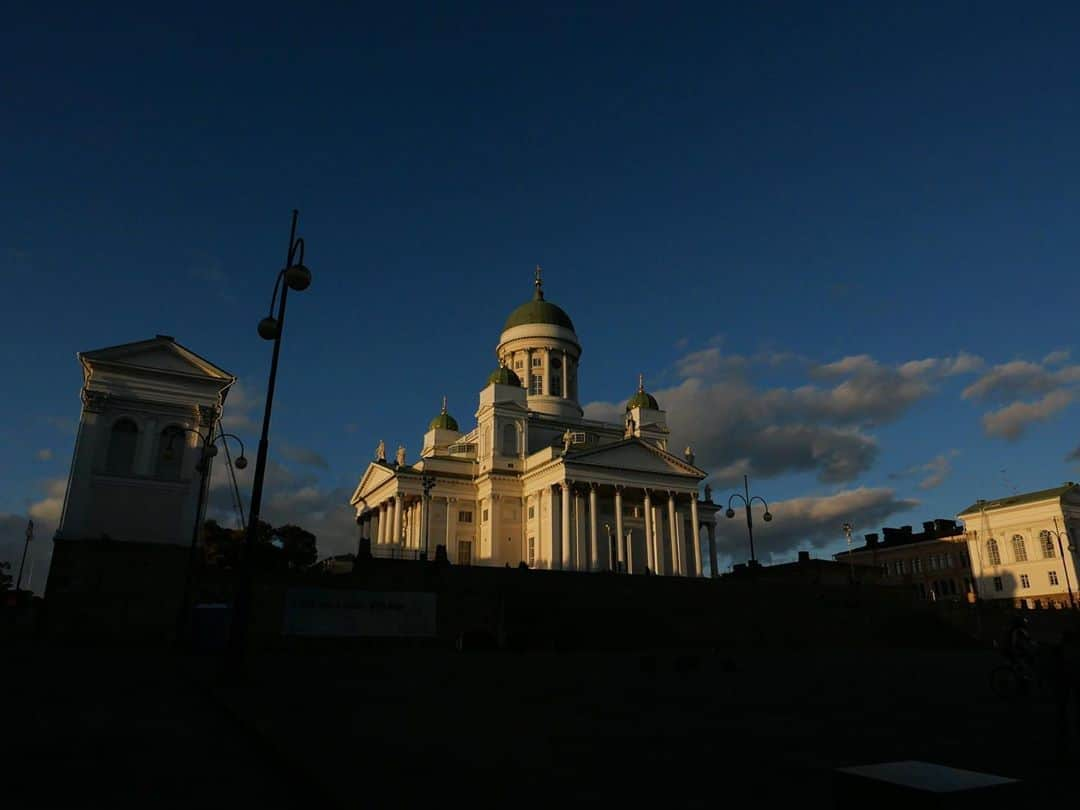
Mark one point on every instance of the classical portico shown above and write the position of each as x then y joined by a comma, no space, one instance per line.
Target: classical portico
536,483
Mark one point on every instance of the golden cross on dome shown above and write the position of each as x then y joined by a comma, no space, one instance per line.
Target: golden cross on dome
444,403
641,383
539,283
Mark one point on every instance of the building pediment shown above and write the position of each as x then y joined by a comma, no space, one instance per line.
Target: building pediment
377,474
160,354
637,455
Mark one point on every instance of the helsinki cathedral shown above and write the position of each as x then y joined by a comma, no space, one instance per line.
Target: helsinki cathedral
533,482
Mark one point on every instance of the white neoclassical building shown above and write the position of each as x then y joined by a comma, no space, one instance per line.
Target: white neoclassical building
133,474
1022,547
533,481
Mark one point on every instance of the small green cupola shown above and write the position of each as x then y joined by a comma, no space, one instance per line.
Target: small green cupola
443,421
504,376
642,399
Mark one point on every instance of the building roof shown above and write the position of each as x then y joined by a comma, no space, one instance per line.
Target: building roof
1053,493
641,399
443,421
538,311
504,376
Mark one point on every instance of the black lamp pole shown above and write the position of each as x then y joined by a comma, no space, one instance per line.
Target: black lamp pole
428,483
297,277
747,501
1065,562
208,449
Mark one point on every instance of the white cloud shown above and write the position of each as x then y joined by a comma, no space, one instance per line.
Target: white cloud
1056,357
45,454
736,427
48,508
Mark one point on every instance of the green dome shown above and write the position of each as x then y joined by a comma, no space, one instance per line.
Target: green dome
642,399
504,376
538,311
443,421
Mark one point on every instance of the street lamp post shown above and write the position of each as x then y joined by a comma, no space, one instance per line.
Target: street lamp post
847,527
427,482
296,276
747,501
208,450
1061,551
26,545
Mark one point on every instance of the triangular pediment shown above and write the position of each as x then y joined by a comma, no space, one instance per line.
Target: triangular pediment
374,477
634,454
161,353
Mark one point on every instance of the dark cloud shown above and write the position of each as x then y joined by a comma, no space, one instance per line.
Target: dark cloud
1011,421
1020,378
933,473
303,455
289,496
813,521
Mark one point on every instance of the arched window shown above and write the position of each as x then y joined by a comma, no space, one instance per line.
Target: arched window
992,551
170,453
1019,549
122,442
1046,542
509,440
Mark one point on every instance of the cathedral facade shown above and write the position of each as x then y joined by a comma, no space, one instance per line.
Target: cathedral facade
534,482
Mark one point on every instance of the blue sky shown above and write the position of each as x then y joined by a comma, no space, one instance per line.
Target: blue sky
731,200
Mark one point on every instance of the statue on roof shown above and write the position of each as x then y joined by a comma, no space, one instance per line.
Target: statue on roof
567,440
401,455
380,451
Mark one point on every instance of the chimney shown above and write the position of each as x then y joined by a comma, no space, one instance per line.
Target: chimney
804,556
872,539
928,527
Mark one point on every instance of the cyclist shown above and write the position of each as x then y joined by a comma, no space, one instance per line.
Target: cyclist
1020,649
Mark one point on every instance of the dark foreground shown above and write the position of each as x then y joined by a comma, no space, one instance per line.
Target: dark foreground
129,728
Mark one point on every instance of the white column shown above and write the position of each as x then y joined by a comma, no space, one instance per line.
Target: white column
660,540
424,500
449,517
380,528
674,529
565,378
545,386
581,554
594,548
621,551
493,527
696,536
711,529
650,547
526,378
395,532
566,562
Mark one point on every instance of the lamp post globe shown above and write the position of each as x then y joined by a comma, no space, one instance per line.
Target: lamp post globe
298,277
268,328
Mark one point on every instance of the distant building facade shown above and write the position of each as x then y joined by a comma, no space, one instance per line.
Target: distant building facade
1022,546
533,481
933,563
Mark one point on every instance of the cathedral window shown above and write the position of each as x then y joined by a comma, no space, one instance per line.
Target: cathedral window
485,517
170,454
509,440
1019,550
992,551
122,442
464,552
1047,544
538,362
464,517
518,365
532,552
556,385
532,512
536,384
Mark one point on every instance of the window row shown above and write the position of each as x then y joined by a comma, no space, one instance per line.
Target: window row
1019,548
124,443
